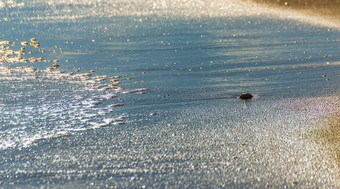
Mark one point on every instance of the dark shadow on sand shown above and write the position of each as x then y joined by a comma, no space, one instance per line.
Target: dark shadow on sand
329,137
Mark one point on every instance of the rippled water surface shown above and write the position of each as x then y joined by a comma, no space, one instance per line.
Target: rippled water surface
144,94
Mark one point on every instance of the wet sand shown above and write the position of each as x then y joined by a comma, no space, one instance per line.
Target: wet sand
328,9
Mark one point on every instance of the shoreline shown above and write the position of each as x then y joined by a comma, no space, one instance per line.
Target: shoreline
328,134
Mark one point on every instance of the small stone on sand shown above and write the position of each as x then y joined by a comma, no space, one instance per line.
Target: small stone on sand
245,96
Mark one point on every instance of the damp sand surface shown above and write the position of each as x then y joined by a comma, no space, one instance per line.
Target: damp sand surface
144,95
213,144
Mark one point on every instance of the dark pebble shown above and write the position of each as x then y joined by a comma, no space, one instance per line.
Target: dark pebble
245,96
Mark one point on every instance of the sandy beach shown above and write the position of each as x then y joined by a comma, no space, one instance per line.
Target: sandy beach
145,94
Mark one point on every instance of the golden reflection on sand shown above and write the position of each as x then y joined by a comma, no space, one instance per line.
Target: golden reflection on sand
327,9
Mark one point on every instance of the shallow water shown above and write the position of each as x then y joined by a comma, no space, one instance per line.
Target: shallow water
160,108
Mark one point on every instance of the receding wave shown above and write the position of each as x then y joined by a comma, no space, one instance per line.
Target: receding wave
45,103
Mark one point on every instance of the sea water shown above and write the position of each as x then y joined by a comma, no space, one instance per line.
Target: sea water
135,94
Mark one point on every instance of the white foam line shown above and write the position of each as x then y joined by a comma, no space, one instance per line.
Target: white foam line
135,91
30,141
